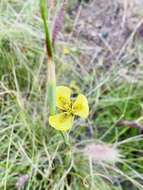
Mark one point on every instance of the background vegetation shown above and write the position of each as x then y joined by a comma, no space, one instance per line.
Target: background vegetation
112,84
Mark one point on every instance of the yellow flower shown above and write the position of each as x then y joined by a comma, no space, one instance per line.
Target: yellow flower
66,51
69,109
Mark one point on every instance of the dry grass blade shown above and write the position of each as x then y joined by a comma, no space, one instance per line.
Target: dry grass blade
130,124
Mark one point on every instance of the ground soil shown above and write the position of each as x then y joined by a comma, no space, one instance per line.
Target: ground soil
105,27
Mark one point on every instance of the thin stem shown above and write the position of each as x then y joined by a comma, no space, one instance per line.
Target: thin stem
65,140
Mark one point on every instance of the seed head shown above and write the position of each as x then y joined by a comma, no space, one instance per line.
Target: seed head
102,153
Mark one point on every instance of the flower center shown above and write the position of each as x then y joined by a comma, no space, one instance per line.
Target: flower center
65,104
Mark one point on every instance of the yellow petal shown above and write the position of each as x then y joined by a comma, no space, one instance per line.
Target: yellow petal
63,94
66,51
80,107
62,121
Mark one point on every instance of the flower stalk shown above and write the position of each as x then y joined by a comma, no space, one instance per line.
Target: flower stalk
51,87
51,65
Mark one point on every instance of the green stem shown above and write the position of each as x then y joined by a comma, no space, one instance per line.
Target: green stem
51,87
46,27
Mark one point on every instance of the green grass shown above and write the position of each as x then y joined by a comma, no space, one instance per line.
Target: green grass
29,145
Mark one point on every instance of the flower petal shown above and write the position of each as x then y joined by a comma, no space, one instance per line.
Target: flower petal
62,121
63,94
80,106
